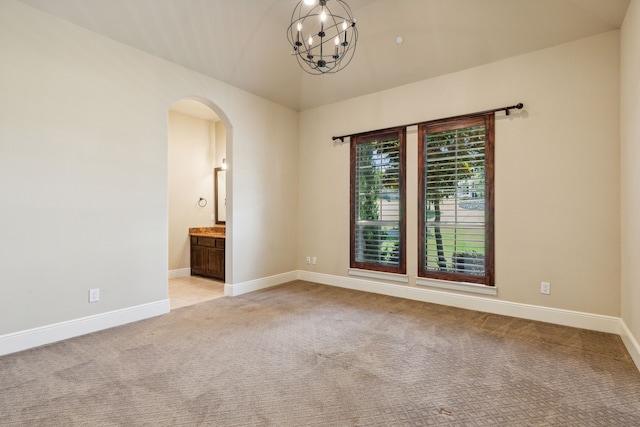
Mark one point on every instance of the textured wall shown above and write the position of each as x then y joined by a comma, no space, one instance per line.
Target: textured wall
630,166
557,180
83,172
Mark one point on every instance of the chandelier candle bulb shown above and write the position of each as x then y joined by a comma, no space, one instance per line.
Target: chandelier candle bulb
344,28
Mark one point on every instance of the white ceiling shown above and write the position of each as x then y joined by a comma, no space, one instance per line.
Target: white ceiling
244,43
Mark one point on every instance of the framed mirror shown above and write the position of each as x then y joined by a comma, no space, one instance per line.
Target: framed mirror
220,195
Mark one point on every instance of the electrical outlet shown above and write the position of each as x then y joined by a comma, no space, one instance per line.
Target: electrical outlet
308,260
94,295
545,288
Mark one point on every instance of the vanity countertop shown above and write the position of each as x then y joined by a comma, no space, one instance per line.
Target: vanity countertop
218,232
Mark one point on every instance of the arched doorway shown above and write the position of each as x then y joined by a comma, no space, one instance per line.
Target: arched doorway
199,135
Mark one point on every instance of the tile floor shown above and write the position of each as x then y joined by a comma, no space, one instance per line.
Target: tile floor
191,290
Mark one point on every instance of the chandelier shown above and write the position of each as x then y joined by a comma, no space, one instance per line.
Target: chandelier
323,40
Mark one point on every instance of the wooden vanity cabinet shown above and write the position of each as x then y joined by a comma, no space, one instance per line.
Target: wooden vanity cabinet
207,257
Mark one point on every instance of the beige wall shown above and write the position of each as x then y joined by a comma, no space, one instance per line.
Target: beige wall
220,137
630,167
83,172
557,180
192,158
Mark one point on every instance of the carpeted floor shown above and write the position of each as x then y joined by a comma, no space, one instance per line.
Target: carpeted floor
306,354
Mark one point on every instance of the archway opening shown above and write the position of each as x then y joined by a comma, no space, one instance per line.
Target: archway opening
199,217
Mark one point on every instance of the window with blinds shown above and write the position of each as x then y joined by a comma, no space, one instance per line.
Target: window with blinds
456,199
377,201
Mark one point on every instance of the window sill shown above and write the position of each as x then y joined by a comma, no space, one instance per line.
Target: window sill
402,278
457,286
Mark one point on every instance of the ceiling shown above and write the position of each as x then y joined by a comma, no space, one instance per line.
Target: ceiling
244,43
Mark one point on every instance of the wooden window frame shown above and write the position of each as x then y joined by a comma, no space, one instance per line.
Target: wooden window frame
488,120
401,267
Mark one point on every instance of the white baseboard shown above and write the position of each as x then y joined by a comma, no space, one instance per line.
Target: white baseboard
36,337
575,319
630,342
180,272
233,290
23,340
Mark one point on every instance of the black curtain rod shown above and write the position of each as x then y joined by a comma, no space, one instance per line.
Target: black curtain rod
495,110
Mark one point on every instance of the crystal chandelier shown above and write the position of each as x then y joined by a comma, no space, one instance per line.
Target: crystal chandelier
323,40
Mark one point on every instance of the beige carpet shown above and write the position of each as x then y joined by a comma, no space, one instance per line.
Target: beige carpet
306,354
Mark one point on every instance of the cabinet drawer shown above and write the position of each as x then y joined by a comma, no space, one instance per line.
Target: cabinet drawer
207,241
211,242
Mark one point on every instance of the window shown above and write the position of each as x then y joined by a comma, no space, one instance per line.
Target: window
455,199
378,201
